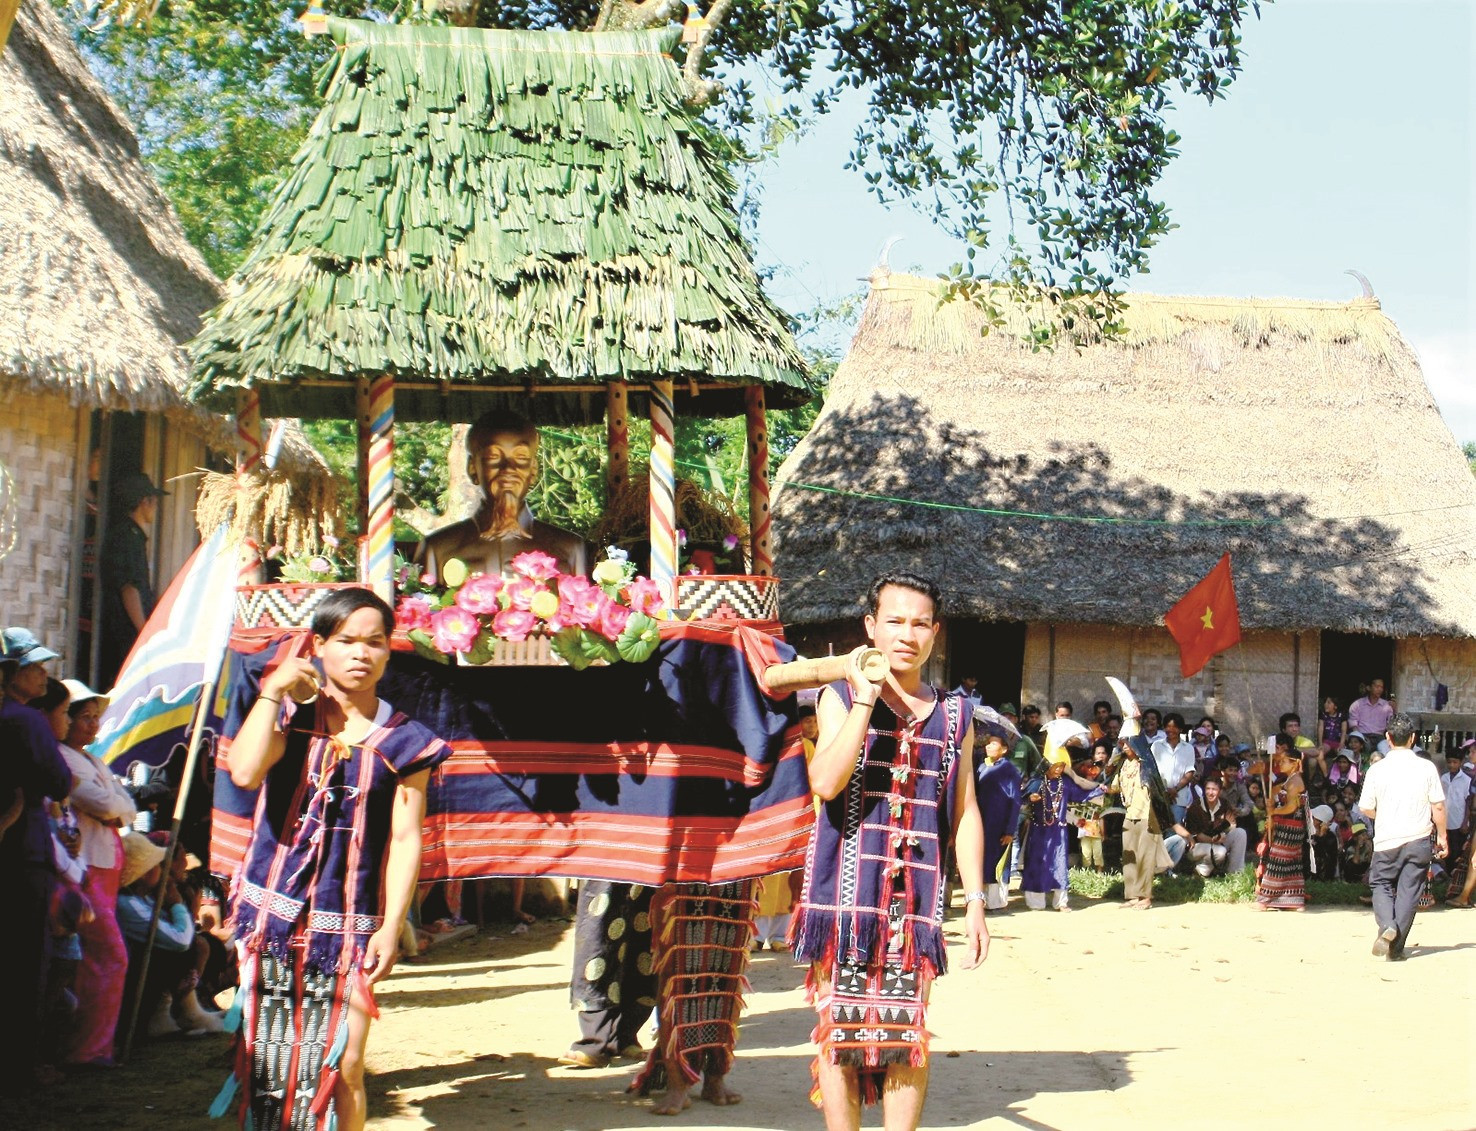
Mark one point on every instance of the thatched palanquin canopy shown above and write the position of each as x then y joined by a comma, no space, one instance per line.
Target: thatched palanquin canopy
98,285
476,211
1299,436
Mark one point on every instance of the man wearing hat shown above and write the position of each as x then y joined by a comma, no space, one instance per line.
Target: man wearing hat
128,590
32,769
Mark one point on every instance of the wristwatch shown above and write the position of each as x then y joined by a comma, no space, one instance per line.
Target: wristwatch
970,897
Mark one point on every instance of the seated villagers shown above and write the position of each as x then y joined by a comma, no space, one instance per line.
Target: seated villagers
1332,725
1216,843
1101,713
1324,842
1370,715
173,964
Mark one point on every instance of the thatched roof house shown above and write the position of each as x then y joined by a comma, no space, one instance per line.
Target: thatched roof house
99,290
1076,494
481,213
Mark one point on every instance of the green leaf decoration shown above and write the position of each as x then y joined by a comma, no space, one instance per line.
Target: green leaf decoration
425,646
476,207
481,650
639,640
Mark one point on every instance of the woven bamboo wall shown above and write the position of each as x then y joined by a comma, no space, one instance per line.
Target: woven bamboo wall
1254,683
38,439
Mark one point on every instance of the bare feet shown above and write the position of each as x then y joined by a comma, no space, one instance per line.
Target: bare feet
674,1102
523,917
715,1090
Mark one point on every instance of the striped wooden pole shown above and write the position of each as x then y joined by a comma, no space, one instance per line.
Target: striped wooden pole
376,399
761,551
663,489
617,439
249,451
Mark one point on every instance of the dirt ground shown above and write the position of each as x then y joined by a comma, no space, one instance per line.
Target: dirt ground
1205,1016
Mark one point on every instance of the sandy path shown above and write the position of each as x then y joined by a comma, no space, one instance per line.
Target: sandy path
1100,1019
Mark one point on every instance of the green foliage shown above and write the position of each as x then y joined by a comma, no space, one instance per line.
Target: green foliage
1237,888
221,93
1469,448
1058,110
420,467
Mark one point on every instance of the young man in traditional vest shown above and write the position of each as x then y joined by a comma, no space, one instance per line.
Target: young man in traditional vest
894,766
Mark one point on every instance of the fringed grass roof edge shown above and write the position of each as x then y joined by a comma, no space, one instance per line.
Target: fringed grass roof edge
486,208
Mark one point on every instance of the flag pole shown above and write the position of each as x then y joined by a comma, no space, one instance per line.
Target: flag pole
192,759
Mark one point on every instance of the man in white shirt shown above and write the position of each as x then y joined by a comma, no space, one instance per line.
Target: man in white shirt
1173,754
1403,798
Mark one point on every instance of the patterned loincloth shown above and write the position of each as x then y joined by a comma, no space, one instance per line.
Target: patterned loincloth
870,1017
702,938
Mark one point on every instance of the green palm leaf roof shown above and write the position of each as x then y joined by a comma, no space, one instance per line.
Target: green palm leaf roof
476,211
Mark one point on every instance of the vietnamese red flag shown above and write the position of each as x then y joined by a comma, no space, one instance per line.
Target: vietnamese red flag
1206,619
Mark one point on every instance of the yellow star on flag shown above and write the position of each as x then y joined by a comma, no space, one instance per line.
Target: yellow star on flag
1208,620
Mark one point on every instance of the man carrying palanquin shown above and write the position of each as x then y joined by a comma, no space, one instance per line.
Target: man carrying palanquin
894,766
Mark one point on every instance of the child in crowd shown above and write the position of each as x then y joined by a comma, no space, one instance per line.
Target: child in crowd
1333,725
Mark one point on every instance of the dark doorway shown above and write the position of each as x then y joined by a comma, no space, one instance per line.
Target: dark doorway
1349,661
992,650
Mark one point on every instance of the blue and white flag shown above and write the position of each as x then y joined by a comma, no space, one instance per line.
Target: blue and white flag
182,645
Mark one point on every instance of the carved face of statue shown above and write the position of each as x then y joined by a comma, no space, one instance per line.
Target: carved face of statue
505,467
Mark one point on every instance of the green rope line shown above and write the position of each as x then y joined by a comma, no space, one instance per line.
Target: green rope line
998,513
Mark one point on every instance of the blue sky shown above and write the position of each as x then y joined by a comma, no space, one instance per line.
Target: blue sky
1346,142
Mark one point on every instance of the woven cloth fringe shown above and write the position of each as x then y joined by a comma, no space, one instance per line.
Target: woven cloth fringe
702,940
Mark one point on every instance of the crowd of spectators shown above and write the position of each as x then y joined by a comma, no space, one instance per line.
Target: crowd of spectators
81,877
1217,786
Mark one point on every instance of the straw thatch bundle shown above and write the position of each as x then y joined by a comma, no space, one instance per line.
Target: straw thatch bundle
1299,436
706,517
294,504
495,208
98,285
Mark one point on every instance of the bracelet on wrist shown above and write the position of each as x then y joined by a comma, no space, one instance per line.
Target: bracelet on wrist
973,897
269,699
867,703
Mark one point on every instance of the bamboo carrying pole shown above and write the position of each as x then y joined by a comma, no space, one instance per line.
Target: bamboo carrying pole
617,438
192,759
663,489
376,404
784,679
761,552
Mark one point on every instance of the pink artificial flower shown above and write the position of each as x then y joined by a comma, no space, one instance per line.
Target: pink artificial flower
320,564
427,579
454,629
535,565
645,596
520,592
514,624
583,600
613,619
730,543
330,541
413,612
479,594
274,553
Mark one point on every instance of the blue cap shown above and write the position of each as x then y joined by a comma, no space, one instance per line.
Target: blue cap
22,647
